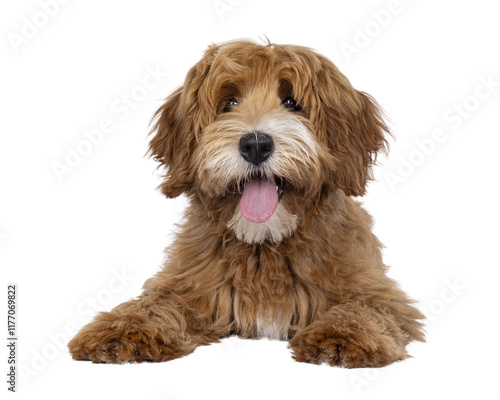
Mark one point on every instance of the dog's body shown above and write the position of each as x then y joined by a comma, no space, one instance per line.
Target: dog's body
269,142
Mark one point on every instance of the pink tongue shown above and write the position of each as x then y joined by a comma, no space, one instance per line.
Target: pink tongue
259,200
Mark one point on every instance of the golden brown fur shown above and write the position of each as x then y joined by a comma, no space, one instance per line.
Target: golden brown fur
322,283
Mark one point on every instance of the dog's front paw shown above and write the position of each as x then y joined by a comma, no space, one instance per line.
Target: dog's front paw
112,338
322,343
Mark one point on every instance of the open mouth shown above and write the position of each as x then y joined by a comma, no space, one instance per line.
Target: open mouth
260,198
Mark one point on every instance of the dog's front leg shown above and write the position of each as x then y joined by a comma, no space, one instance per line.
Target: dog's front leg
154,327
358,334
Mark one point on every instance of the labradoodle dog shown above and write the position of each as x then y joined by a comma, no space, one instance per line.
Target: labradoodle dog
269,143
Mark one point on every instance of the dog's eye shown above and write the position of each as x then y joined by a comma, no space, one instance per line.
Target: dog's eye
230,104
291,104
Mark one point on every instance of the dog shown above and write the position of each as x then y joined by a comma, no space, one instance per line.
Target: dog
270,143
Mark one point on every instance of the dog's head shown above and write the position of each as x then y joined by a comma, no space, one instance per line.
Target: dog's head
258,132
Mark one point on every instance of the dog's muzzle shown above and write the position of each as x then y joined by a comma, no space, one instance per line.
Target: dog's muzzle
260,195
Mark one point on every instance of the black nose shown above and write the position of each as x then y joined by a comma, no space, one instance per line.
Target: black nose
256,147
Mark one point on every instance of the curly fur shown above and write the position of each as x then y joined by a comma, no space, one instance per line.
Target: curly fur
314,275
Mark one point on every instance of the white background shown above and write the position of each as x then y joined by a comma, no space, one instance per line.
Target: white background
64,241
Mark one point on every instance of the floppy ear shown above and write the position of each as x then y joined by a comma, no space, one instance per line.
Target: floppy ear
170,146
178,124
355,132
